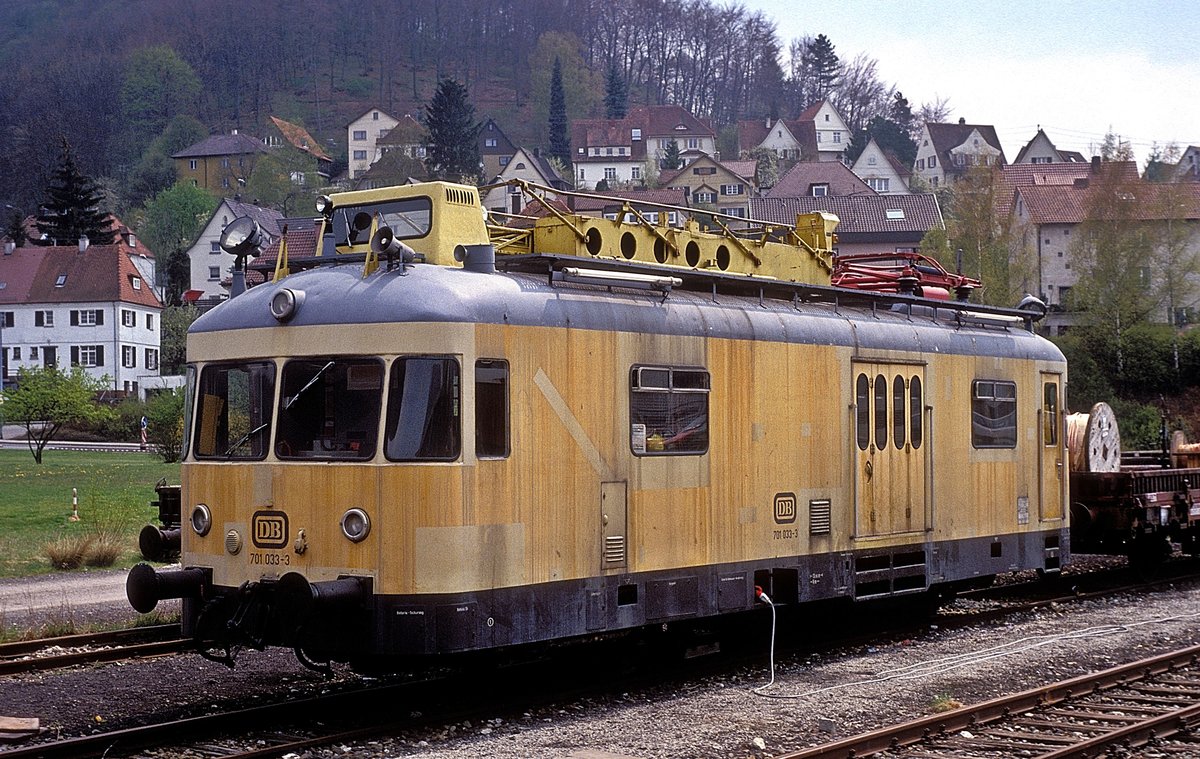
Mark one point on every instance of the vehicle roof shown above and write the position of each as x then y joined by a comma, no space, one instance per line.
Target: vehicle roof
422,293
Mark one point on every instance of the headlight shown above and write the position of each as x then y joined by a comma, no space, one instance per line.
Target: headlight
285,303
356,525
201,519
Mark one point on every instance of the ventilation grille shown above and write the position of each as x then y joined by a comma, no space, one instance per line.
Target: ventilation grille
819,520
461,197
614,549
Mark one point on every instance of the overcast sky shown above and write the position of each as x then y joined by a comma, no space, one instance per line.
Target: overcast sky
1075,68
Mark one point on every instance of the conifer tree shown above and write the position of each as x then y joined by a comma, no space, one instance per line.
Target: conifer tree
72,207
822,67
560,140
671,159
616,94
453,134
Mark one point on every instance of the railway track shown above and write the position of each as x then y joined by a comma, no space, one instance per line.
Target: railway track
1151,701
272,730
89,648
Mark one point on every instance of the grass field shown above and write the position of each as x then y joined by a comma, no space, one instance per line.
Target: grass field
115,490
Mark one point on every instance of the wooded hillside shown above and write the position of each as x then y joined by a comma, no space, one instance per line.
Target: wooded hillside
93,70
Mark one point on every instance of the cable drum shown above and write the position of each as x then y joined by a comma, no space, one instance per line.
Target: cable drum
1093,440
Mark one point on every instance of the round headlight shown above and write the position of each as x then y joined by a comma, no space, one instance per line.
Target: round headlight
356,525
201,520
285,303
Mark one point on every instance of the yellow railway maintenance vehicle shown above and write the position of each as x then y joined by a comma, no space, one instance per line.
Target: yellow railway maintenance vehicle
444,435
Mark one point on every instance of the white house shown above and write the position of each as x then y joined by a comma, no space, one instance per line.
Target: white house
618,150
362,134
210,265
881,171
947,151
833,136
530,166
85,305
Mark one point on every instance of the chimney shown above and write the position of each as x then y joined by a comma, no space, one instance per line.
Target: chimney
83,243
1095,164
962,121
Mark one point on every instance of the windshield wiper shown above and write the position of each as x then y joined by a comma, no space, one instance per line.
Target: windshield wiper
242,440
287,405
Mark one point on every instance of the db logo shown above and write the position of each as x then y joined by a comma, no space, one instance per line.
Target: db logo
269,529
785,508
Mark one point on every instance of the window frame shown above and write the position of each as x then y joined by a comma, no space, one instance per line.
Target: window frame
455,414
641,384
333,447
505,415
989,412
265,435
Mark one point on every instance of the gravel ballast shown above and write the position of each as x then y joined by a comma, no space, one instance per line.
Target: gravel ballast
815,698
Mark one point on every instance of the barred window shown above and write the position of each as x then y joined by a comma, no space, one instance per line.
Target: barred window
668,411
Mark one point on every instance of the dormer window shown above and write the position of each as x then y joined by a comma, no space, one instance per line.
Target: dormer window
636,134
137,283
820,190
62,280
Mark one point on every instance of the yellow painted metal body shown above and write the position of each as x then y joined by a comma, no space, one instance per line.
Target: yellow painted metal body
782,422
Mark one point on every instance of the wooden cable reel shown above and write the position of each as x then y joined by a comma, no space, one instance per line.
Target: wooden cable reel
1094,441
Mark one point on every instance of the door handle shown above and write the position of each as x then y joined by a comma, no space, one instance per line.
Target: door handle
870,469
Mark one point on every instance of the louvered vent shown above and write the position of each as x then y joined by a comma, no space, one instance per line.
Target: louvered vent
819,517
614,549
461,197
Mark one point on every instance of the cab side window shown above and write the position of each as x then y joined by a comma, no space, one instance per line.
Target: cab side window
491,409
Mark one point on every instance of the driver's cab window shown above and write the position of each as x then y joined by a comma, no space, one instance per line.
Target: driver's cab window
329,408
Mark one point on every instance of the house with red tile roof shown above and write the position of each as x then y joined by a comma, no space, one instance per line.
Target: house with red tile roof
819,133
286,134
618,150
869,223
1047,217
85,305
723,186
947,151
819,179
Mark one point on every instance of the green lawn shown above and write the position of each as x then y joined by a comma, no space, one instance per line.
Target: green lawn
115,490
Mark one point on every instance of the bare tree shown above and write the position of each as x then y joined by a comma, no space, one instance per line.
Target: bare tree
860,95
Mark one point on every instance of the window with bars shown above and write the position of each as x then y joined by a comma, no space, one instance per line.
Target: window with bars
668,411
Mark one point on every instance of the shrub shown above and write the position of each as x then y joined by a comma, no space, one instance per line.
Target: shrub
68,552
104,550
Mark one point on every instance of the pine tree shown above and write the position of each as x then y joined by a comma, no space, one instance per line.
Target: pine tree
72,207
616,94
671,159
560,140
822,67
453,134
